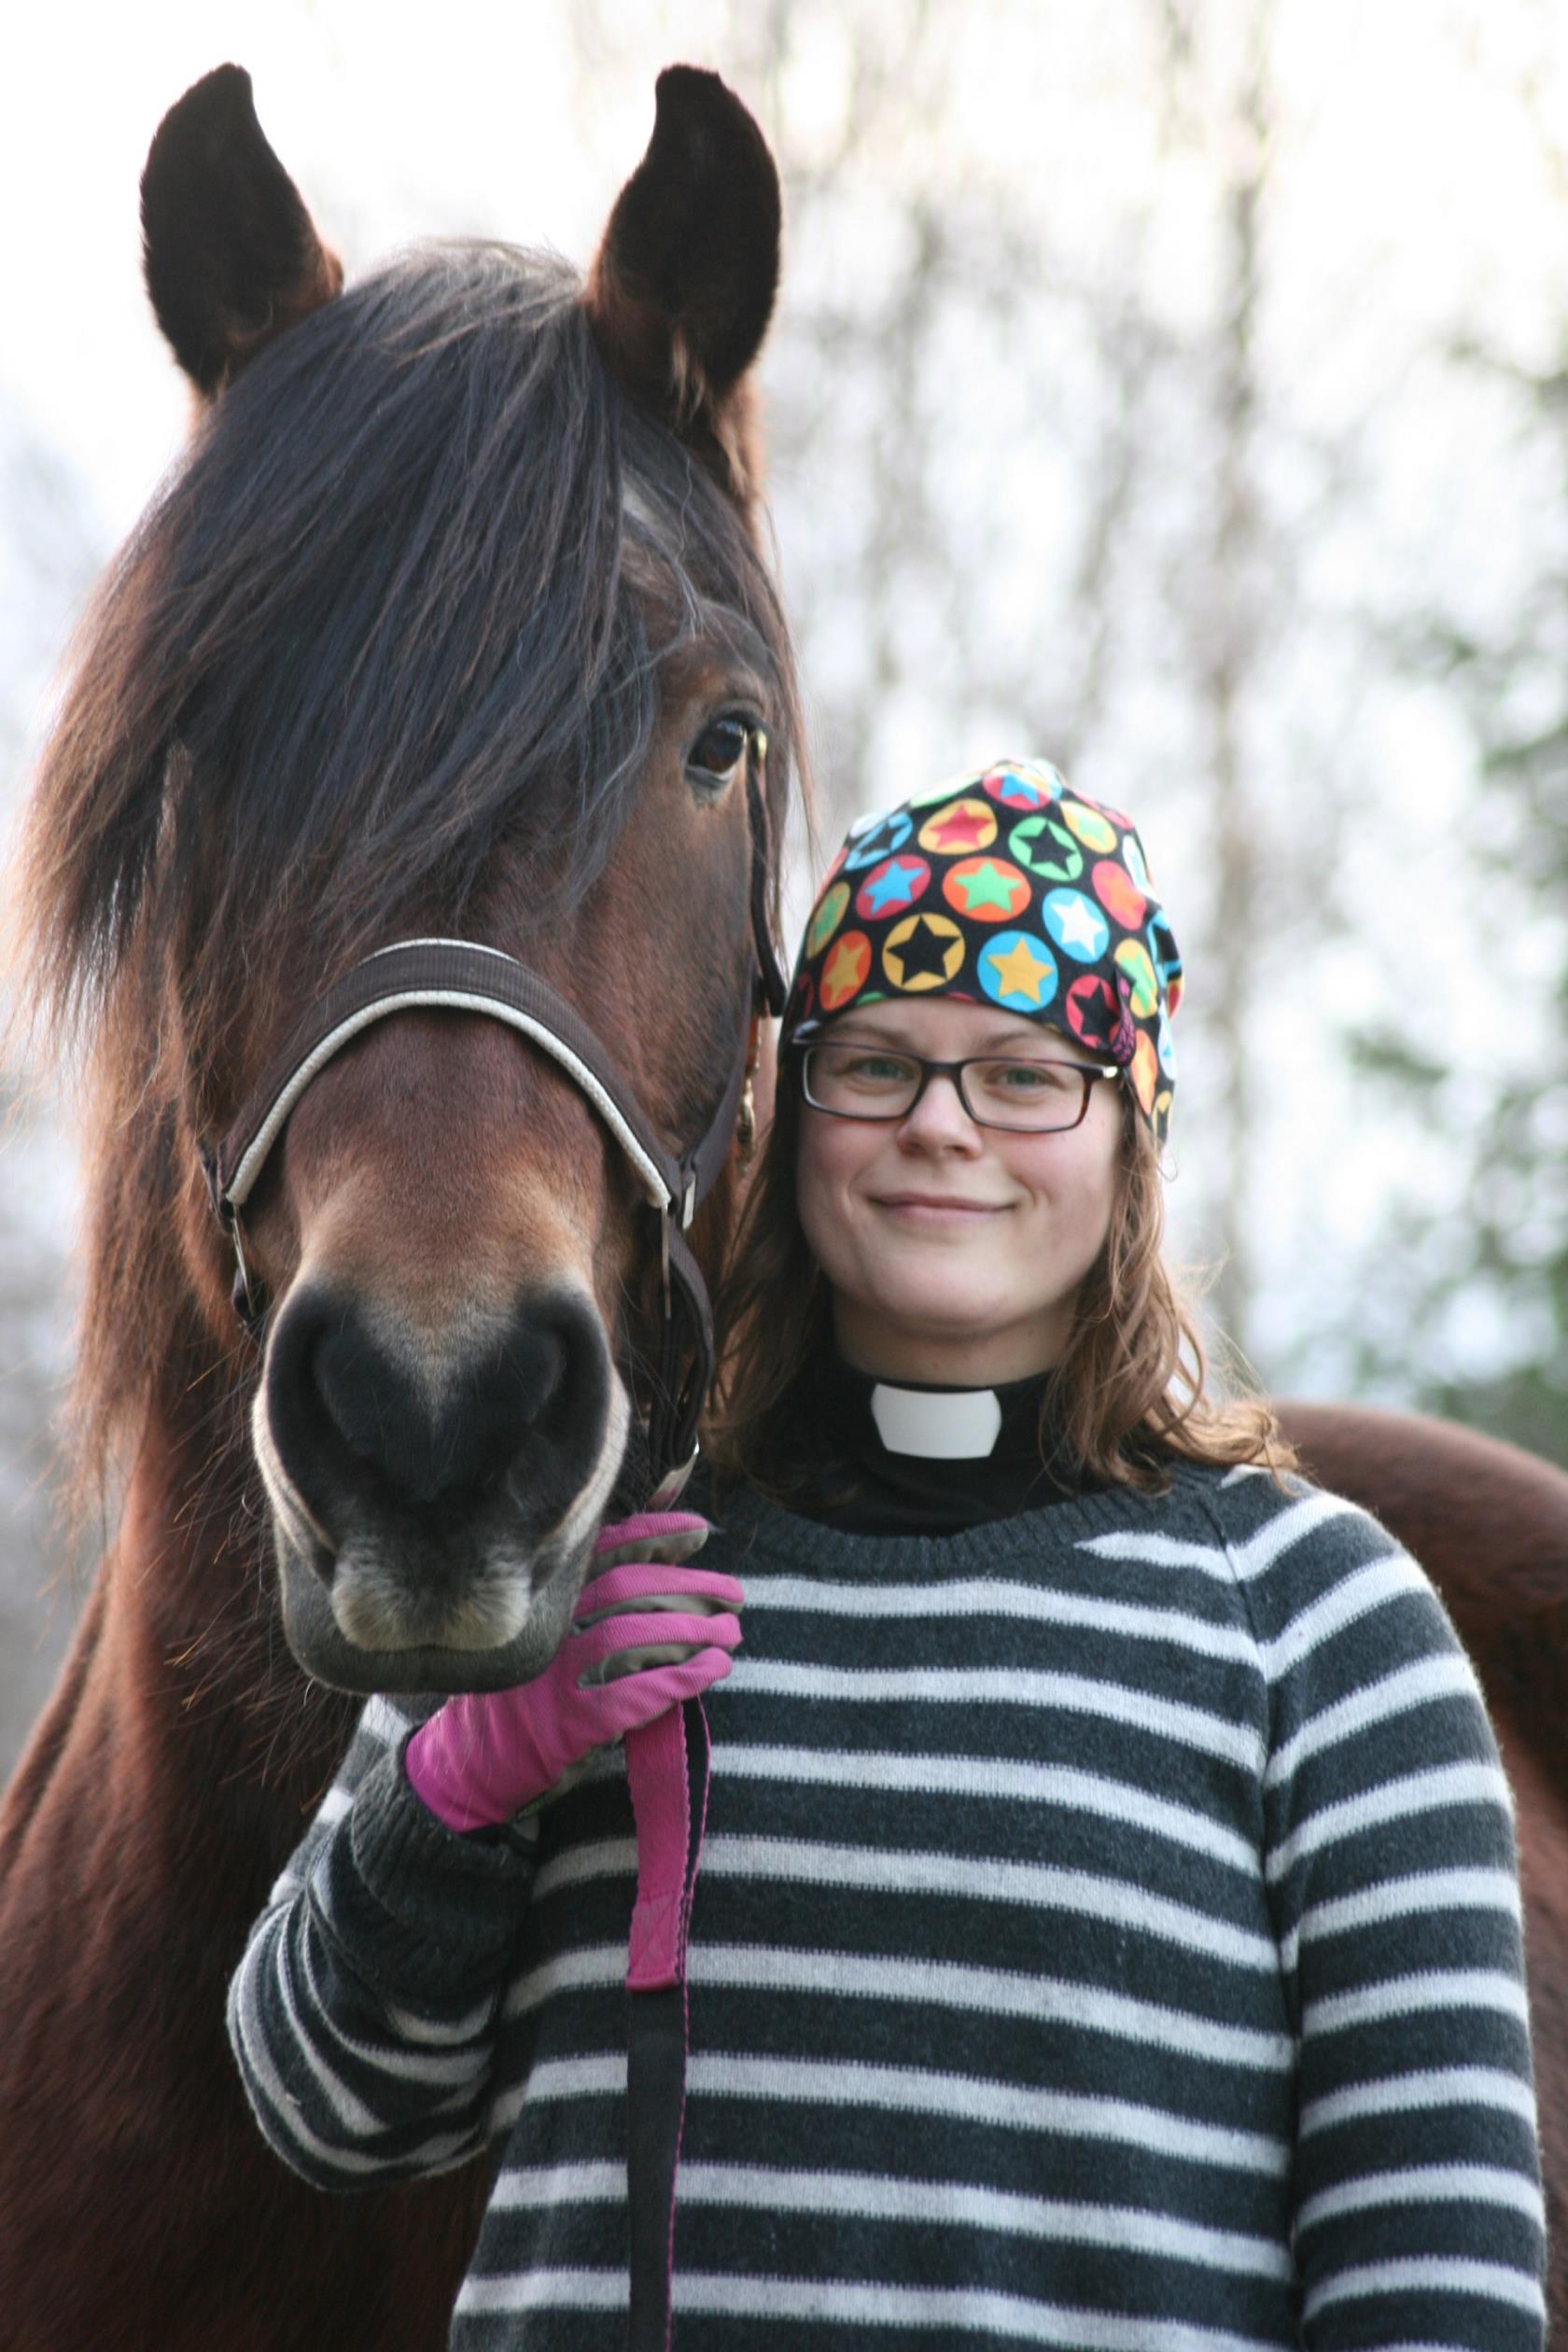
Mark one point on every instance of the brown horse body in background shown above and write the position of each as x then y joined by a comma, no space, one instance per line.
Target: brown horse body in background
276,756
1490,1525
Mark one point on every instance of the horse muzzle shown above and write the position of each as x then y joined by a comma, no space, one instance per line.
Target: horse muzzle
434,1500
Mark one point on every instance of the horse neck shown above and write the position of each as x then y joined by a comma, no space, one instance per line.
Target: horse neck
180,1706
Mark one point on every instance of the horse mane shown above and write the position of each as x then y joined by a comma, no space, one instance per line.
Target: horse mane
400,614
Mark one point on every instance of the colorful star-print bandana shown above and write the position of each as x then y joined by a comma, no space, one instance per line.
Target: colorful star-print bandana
1005,888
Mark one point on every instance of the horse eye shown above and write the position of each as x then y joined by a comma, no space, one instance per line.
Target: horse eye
719,749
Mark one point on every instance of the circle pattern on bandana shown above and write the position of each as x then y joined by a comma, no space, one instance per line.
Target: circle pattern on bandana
879,838
1119,894
826,920
962,826
987,890
845,971
1095,830
1076,925
1026,787
1019,972
891,887
1094,1011
1005,886
1145,1073
922,953
1132,958
1044,846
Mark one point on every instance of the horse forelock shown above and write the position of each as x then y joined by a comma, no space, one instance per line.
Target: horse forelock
401,613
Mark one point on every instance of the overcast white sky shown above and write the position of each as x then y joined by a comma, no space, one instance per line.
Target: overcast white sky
400,122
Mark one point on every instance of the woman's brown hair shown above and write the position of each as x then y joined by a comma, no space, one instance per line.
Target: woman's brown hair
1129,1396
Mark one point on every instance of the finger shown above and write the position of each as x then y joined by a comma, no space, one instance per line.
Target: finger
620,1663
638,1699
619,1635
650,1535
649,1585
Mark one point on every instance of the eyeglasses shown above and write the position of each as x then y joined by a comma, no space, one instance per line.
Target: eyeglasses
870,1082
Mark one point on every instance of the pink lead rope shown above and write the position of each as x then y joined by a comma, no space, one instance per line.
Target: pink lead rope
667,1767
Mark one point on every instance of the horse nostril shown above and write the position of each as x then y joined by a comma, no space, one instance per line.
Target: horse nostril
424,1439
359,1416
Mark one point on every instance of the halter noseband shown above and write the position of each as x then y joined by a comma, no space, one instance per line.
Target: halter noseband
465,976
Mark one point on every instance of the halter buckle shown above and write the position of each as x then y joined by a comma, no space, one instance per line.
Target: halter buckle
673,1484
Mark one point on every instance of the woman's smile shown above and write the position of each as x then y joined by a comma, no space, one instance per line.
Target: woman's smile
937,1208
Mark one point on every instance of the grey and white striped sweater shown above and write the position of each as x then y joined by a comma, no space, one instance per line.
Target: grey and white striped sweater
1107,1936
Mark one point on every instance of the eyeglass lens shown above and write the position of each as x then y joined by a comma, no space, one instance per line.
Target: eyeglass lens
860,1081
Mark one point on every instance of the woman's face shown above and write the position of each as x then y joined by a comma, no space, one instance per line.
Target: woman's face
955,1251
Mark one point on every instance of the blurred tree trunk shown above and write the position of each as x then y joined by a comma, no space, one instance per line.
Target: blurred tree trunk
47,557
1225,666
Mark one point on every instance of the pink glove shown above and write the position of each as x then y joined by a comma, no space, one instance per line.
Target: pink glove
646,1634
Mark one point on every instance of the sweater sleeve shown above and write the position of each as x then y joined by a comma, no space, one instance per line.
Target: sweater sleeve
363,2013
1389,1852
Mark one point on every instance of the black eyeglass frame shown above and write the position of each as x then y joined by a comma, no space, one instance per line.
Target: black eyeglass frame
1089,1071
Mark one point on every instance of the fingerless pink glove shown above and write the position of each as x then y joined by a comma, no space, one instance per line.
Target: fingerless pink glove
646,1634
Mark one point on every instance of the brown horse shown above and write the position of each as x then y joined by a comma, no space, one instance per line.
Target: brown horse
452,621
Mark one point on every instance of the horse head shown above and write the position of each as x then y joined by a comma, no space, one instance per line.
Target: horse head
451,623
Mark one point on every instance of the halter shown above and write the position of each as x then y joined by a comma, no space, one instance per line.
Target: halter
666,1762
466,976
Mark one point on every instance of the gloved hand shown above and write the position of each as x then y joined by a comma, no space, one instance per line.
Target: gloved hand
646,1634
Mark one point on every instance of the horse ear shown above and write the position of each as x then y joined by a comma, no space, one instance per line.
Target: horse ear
232,256
683,289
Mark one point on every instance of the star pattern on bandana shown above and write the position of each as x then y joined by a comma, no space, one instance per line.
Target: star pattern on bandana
1021,788
1092,826
894,885
846,969
982,887
1132,958
1145,1071
1016,969
1076,925
1093,1015
1046,848
829,915
879,838
968,824
923,953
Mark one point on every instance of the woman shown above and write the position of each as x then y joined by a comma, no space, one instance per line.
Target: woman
1107,1931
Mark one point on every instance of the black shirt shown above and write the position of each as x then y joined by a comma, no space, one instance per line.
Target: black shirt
863,1485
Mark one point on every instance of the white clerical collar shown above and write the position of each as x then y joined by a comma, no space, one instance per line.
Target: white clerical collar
940,1424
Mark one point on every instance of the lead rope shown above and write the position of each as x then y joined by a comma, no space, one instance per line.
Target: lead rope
667,1767
667,1773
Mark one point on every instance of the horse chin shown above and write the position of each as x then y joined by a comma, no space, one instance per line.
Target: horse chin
450,1655
388,1609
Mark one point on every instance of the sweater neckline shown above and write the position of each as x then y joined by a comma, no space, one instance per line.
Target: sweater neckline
1064,1520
